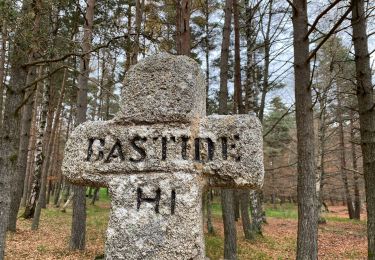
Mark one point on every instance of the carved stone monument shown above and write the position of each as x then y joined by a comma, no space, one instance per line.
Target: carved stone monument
157,156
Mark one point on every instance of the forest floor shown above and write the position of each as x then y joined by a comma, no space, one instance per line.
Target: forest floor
339,239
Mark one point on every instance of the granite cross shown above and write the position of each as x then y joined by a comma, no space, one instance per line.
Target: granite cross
158,154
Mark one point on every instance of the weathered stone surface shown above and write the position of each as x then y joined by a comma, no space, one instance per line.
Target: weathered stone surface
158,154
173,230
163,88
109,148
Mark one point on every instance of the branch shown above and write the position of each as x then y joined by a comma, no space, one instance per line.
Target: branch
280,167
68,55
279,120
331,32
44,77
312,28
292,5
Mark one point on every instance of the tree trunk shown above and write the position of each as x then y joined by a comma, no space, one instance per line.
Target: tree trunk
348,196
267,48
31,151
307,236
250,92
238,107
9,145
207,51
210,227
183,27
39,157
139,7
256,212
357,197
78,231
227,196
9,133
50,142
365,98
322,147
4,39
230,233
95,197
22,160
246,224
223,93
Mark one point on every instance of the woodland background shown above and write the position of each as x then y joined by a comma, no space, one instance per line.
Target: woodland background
304,69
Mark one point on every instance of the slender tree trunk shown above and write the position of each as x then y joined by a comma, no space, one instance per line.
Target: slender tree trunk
307,236
95,196
348,197
357,197
4,39
51,142
78,231
128,46
39,157
183,27
31,151
207,52
250,92
238,107
366,103
227,196
230,233
223,93
256,212
267,48
246,224
210,227
139,6
322,146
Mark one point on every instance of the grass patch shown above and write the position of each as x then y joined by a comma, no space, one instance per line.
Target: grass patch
214,246
344,220
284,211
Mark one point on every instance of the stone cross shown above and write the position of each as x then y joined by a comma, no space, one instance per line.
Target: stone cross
157,156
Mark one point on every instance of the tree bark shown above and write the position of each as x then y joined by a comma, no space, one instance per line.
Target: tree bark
210,227
366,103
78,231
31,152
250,92
322,147
19,177
39,156
344,176
9,132
4,39
307,236
183,27
267,48
357,197
238,107
227,196
50,143
230,233
223,93
246,224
